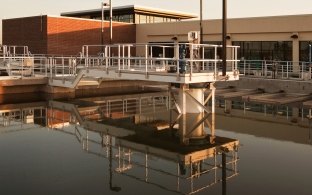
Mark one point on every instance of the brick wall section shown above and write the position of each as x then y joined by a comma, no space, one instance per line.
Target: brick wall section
29,31
61,35
66,36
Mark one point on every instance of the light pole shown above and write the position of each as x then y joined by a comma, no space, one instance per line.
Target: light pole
102,26
201,22
110,22
224,32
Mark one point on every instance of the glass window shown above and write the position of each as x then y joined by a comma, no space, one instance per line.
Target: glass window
137,18
142,19
304,51
158,19
210,52
265,50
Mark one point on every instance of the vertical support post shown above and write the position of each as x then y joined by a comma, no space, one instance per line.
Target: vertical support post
177,54
110,22
310,59
244,67
215,62
102,25
223,173
191,58
129,56
213,90
118,57
201,22
163,56
123,57
146,53
146,169
151,56
224,32
287,69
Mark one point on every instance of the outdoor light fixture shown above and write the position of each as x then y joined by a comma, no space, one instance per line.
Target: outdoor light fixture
294,36
228,37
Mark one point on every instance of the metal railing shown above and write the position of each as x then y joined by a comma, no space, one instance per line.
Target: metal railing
147,58
275,69
188,58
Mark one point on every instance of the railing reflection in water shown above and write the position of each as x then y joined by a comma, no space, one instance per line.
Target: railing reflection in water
149,164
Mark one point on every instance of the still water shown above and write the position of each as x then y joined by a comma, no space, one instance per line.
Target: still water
45,150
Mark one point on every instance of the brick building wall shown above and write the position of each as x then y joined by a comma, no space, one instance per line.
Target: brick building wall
67,35
61,35
29,31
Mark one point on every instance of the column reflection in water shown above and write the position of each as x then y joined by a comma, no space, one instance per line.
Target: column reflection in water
132,148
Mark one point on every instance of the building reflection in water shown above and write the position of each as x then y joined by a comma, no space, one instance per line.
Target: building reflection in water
135,136
133,132
21,117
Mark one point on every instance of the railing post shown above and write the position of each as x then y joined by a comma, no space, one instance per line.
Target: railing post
309,71
215,62
151,54
233,56
22,67
123,56
265,69
244,67
163,56
282,70
87,56
106,57
129,56
236,61
191,59
51,67
177,55
118,57
146,53
287,70
203,56
46,64
109,55
63,66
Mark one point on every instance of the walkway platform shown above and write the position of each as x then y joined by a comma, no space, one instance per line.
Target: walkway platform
277,98
145,62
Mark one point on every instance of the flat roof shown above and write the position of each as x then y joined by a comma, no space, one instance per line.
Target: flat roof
137,9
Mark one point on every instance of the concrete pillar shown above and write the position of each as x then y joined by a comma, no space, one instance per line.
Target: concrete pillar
192,113
295,55
295,114
188,104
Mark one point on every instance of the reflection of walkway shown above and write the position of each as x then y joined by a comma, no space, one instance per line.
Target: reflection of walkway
195,170
72,110
188,169
20,117
184,172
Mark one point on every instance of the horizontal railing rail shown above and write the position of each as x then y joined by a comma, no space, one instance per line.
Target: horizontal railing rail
275,69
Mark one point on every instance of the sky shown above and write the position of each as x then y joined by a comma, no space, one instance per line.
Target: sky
212,8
